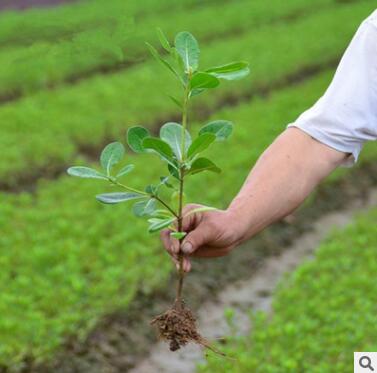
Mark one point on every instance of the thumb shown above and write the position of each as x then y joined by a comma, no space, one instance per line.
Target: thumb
194,240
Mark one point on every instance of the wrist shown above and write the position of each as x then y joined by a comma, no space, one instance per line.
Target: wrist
237,224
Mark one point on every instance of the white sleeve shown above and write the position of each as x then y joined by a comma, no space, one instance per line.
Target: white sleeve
345,117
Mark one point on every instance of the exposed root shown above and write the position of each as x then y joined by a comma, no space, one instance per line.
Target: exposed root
177,326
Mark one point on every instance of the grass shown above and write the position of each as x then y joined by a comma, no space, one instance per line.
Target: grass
103,106
96,257
110,41
322,312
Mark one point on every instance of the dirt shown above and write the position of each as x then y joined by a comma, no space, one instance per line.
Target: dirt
121,340
254,293
177,326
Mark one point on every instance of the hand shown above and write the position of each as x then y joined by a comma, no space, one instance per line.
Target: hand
209,234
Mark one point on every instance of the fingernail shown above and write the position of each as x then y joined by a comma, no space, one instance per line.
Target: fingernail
187,248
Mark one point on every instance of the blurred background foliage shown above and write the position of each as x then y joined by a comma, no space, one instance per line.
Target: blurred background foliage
75,76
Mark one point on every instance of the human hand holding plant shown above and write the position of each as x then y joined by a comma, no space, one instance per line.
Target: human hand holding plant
181,152
210,234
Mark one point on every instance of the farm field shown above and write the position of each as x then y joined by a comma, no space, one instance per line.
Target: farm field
76,77
51,139
323,303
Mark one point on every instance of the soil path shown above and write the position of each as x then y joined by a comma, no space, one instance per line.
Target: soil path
255,293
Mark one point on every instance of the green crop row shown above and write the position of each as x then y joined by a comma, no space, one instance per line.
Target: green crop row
322,313
57,23
53,126
114,43
89,258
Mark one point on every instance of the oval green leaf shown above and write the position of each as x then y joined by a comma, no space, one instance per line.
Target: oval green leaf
125,170
200,144
188,49
203,164
158,224
111,155
222,129
203,80
165,63
178,235
112,198
85,172
230,71
173,171
143,208
160,147
172,133
135,137
163,39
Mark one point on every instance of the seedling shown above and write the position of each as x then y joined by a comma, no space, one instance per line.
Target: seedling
181,151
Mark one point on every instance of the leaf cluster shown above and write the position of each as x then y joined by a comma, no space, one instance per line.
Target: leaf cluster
175,146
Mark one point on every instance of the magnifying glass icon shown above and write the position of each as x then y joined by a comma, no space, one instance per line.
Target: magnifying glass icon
366,362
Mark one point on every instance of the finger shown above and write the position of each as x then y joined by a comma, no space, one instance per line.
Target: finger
195,239
186,264
176,263
166,240
174,245
189,222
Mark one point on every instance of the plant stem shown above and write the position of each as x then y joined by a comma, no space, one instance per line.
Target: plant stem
127,187
181,273
166,205
147,194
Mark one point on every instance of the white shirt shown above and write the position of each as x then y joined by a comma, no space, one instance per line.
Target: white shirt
345,117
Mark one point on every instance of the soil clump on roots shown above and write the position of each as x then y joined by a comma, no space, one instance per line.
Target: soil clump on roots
177,326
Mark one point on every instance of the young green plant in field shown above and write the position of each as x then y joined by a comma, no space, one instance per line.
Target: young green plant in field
181,151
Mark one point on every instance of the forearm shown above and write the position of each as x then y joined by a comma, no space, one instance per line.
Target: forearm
285,174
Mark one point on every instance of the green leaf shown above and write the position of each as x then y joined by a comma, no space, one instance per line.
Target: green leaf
161,213
178,235
163,40
220,128
202,142
143,208
165,63
173,171
151,189
135,137
158,224
203,164
177,102
125,170
230,71
160,147
188,48
111,155
178,59
196,92
85,172
164,180
203,80
171,133
112,198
